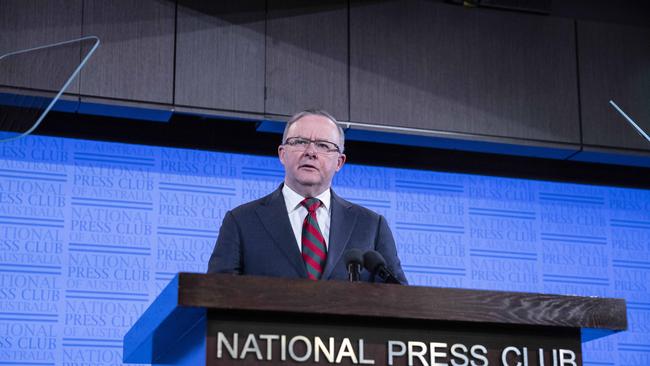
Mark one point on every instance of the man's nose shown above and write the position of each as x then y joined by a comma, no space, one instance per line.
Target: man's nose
311,149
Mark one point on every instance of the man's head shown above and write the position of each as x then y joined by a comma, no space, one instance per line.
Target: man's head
311,152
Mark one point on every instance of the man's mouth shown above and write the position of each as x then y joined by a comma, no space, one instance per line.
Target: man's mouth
308,166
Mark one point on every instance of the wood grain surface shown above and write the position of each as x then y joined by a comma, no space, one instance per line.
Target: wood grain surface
226,292
220,55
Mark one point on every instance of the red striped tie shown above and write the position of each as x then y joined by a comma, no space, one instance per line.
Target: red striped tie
314,251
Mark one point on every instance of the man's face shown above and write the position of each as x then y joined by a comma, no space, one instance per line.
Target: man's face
307,171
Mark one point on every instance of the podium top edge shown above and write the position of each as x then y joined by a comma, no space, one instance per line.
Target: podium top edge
223,292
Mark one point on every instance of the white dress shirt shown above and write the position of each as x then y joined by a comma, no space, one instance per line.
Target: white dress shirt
297,213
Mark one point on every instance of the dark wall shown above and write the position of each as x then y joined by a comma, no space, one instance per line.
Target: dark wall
539,78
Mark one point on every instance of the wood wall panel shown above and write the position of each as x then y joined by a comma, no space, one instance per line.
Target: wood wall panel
614,64
220,55
428,65
307,57
136,58
33,23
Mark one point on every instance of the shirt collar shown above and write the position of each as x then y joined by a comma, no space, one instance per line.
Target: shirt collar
293,199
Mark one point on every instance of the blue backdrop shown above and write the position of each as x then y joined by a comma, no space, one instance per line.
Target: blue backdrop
90,232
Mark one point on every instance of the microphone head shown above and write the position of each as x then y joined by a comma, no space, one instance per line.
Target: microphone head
353,256
372,261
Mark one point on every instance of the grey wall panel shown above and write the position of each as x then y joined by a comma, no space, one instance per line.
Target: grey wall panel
220,55
614,64
32,23
428,65
307,57
136,58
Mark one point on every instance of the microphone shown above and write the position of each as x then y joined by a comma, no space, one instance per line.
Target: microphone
375,264
353,262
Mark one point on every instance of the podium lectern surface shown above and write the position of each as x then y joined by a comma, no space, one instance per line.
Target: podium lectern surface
226,319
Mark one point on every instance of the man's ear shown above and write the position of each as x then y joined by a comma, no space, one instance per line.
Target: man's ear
341,161
281,152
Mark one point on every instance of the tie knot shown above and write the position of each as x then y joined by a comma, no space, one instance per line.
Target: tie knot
311,204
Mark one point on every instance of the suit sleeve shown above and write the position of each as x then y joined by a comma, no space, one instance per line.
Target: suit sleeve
226,256
386,246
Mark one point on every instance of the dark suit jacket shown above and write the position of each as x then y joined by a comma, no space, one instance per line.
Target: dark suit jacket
256,239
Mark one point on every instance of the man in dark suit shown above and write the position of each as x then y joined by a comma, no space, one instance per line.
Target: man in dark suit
302,229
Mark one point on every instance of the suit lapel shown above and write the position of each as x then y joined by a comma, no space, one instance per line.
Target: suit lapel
274,217
342,222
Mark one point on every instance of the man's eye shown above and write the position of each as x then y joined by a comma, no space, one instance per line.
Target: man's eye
301,142
322,146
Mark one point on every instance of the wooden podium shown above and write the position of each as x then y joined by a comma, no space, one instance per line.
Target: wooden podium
203,319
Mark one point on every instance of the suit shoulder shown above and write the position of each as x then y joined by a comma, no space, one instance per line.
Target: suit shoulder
247,207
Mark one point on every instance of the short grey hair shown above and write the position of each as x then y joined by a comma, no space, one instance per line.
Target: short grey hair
315,112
